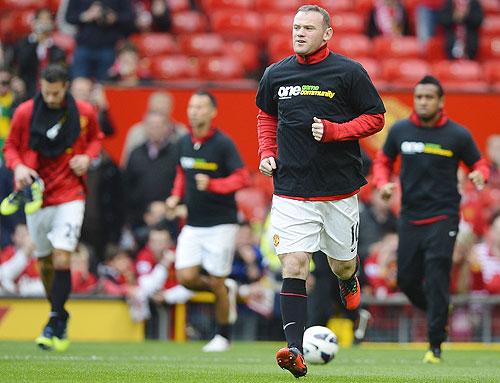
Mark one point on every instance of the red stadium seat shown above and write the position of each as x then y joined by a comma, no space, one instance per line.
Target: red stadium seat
277,22
221,68
363,6
489,48
351,45
174,67
491,25
248,53
464,75
16,5
211,5
239,23
155,43
277,5
397,47
253,203
333,6
348,22
202,44
279,46
404,72
178,5
189,22
373,68
434,50
490,6
492,72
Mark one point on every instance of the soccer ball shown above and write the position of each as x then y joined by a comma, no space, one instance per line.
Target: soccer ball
320,345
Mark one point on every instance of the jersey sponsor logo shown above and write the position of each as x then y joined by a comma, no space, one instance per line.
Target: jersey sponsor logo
412,147
276,240
287,92
198,164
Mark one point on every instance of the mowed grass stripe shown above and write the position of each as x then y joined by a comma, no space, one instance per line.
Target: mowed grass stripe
246,362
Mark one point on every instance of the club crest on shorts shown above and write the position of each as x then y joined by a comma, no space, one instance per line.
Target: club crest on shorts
276,240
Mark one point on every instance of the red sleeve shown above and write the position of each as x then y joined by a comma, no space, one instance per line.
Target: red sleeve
360,127
95,136
482,166
237,180
266,133
382,169
13,143
179,183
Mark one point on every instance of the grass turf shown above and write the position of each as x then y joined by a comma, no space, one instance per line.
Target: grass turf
246,362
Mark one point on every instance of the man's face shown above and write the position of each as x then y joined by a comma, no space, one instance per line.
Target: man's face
53,93
4,83
309,32
43,23
156,128
200,110
426,101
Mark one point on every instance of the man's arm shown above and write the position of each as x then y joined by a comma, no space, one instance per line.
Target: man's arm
382,170
359,127
268,149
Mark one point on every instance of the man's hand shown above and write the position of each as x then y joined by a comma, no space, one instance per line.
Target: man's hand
317,129
267,166
387,190
24,176
202,181
477,179
80,164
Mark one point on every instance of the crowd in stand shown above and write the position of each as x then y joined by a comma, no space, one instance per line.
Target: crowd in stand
128,237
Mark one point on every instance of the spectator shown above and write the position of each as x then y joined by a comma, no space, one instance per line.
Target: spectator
18,270
150,171
83,281
461,20
84,89
154,216
160,102
151,16
126,71
388,18
34,52
117,273
487,256
101,24
427,18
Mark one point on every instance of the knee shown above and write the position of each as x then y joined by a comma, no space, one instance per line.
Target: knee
343,269
185,279
295,265
61,259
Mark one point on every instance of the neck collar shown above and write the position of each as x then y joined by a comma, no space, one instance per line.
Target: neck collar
315,57
443,119
200,140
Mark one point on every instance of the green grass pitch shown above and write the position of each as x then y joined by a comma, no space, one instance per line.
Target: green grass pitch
246,362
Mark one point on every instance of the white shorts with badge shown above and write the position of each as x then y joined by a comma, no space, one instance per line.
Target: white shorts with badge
56,227
210,247
309,226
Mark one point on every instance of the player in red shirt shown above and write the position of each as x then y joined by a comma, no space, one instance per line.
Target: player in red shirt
52,141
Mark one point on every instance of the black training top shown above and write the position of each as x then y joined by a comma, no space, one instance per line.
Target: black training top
216,157
336,89
429,164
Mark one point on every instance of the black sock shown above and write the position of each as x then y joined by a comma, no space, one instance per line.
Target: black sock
224,330
293,303
61,288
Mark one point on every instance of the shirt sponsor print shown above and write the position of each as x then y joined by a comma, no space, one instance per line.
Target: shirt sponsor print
198,164
412,147
287,92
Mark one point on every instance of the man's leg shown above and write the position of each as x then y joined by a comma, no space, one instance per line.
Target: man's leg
411,264
441,238
293,303
350,291
46,273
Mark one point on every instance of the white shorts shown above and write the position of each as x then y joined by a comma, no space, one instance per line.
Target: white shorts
209,247
56,227
309,226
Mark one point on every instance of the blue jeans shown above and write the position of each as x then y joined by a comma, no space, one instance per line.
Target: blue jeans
92,62
427,20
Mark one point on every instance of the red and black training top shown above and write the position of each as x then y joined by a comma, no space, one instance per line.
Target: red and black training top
430,158
339,92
